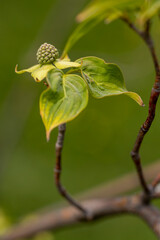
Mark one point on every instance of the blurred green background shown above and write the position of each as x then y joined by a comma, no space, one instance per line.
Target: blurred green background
97,143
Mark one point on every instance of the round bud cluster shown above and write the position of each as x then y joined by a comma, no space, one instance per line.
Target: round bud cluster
47,53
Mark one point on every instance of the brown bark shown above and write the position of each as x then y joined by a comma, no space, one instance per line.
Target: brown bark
99,208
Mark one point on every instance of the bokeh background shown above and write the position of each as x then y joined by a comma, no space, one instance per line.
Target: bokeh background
97,143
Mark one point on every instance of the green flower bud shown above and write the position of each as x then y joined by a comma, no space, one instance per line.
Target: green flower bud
47,54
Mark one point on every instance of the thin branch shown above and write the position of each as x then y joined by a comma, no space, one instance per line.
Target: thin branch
69,216
58,169
145,35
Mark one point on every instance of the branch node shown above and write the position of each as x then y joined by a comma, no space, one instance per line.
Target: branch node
156,86
57,170
135,156
144,129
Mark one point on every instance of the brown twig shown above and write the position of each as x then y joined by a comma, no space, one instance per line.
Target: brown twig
69,216
145,35
58,169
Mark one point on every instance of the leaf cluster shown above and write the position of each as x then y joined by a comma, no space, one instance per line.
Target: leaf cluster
67,92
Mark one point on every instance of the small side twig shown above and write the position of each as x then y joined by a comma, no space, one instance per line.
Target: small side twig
58,169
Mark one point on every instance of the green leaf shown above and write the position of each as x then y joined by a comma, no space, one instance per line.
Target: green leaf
104,79
61,103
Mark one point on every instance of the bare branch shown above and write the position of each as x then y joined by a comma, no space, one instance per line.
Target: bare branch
70,216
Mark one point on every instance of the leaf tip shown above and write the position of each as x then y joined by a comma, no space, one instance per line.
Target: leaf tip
140,102
136,98
47,135
16,68
79,18
37,80
143,105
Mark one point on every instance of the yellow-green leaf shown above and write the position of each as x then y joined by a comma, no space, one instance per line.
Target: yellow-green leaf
30,70
61,64
40,73
63,101
135,97
104,79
